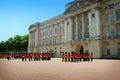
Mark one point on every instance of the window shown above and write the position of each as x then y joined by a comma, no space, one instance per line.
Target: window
107,34
118,31
107,44
80,25
60,29
46,43
87,35
67,23
50,42
55,30
93,15
55,41
58,24
118,51
47,33
53,25
50,32
117,15
60,47
117,4
80,36
118,43
106,19
87,22
108,51
43,43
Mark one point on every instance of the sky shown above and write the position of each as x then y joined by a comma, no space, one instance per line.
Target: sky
17,15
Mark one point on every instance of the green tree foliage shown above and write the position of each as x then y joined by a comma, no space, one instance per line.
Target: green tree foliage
24,42
2,46
16,44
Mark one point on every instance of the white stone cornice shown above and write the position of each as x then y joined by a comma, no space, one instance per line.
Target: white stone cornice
83,9
32,29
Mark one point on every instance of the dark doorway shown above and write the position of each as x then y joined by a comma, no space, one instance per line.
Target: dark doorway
81,50
53,54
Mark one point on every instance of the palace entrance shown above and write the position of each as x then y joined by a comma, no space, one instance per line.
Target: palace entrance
79,48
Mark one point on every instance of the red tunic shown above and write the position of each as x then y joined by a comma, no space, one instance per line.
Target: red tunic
68,55
62,55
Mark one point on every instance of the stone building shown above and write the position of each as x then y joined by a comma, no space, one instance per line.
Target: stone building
86,25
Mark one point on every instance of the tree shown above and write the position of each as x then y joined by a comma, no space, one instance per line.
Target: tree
9,44
16,44
2,47
24,42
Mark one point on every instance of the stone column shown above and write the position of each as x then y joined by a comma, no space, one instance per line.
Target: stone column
36,37
97,19
32,39
70,28
90,24
83,26
76,19
65,31
29,43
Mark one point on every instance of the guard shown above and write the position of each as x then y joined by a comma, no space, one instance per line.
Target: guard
91,56
63,56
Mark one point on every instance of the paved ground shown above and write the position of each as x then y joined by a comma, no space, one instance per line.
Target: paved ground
58,70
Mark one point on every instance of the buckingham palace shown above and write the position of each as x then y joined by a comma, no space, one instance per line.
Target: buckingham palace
88,25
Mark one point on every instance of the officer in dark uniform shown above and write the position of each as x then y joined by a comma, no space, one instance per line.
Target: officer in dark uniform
72,56
29,56
87,56
50,55
77,55
34,56
69,57
63,56
91,56
23,56
39,56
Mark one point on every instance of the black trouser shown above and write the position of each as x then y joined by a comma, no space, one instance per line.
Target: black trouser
91,59
65,59
80,59
22,59
71,59
68,59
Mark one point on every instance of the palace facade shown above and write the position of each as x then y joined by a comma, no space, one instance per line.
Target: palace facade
86,25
